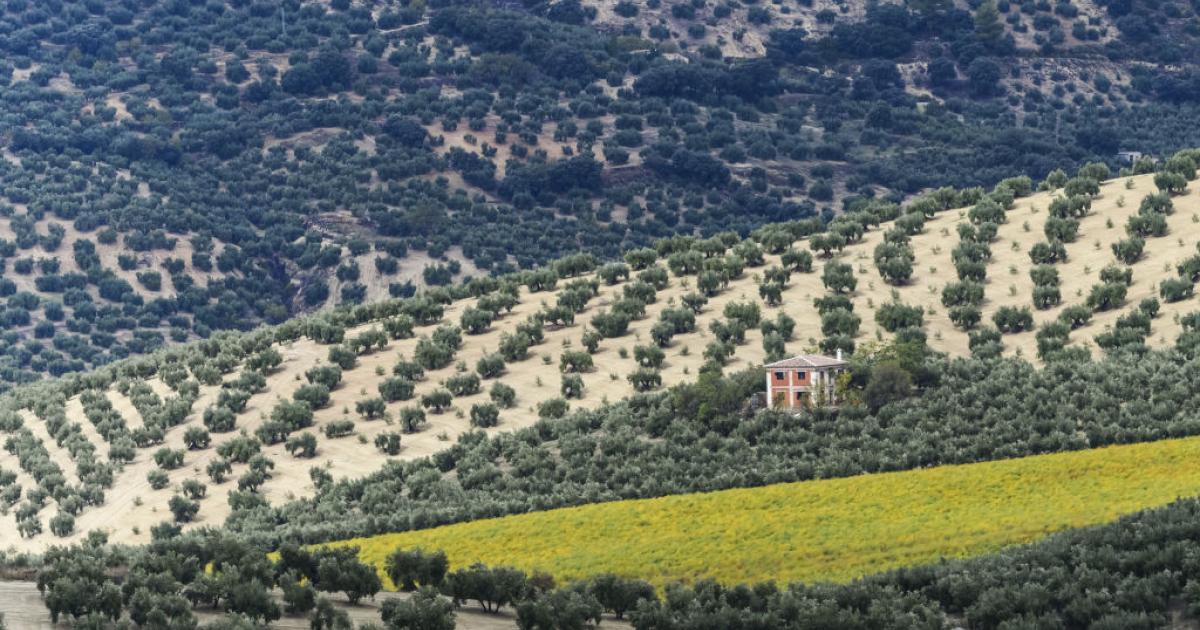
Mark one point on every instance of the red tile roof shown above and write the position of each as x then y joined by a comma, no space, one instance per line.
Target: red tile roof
808,361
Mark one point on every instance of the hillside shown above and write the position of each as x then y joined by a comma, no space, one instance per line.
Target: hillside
193,167
405,379
831,530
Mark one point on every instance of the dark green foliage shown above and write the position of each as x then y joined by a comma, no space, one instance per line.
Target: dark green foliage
839,277
985,343
338,428
219,419
388,443
157,479
893,316
314,395
463,384
485,415
965,317
436,401
338,569
183,509
1048,253
562,608
1011,319
426,610
489,587
302,445
1176,289
840,322
1075,316
328,376
1129,250
552,408
645,379
411,419
888,382
1107,296
502,395
572,361
1046,296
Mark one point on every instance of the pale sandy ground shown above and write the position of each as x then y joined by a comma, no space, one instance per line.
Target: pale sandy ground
132,507
23,609
1008,281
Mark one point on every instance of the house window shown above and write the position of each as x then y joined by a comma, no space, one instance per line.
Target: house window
799,395
779,376
800,374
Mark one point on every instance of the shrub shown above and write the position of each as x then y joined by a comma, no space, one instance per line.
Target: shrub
485,415
1011,319
611,323
218,469
572,386
503,395
436,401
408,370
573,362
294,415
371,408
1046,296
328,376
196,438
1176,289
431,355
315,396
219,419
515,347
426,609
158,479
1106,296
1129,250
490,366
1075,316
465,384
552,408
343,357
396,388
339,428
838,277
645,379
411,419
182,509
410,568
1048,253
649,356
303,445
492,588
893,316
840,322
388,443
168,459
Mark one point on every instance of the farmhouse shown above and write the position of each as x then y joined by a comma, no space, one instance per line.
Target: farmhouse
1129,157
804,380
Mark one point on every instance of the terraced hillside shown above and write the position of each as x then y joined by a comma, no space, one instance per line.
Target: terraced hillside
172,168
271,414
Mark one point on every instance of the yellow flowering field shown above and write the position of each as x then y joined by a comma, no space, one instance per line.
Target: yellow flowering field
834,529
